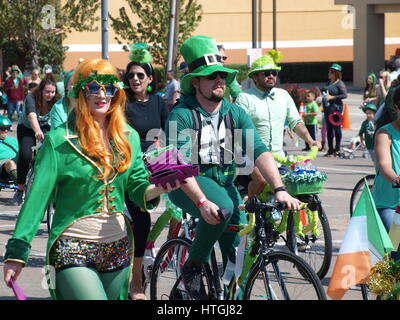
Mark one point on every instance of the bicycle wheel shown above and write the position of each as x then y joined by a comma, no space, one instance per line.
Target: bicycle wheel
166,280
315,250
283,276
358,189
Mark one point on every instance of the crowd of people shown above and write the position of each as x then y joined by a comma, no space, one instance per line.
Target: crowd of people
95,125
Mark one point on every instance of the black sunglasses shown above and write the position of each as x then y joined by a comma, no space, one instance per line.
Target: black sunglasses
267,73
214,75
4,128
140,75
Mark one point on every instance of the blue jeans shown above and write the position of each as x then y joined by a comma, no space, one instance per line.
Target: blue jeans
386,215
12,107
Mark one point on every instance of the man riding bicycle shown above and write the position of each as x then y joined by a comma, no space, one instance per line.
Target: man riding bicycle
269,108
209,144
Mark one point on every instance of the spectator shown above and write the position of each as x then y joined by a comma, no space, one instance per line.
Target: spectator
14,88
35,78
371,90
8,152
384,85
367,129
310,116
183,68
334,92
173,89
396,72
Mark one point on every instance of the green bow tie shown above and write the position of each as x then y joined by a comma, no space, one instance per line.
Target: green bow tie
269,95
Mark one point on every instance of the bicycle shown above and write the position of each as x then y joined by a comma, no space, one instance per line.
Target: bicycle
308,233
284,275
358,189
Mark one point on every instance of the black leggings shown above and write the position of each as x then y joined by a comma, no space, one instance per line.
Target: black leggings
141,223
26,140
330,130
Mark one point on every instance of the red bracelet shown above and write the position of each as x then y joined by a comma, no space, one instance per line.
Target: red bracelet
201,202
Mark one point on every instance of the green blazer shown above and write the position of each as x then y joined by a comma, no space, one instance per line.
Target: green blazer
64,173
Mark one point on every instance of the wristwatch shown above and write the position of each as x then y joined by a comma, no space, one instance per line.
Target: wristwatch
281,188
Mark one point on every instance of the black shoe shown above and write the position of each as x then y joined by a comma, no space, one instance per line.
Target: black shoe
192,280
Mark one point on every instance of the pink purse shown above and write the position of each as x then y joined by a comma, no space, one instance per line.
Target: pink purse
18,292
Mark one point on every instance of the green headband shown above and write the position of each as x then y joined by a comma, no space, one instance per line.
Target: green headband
100,78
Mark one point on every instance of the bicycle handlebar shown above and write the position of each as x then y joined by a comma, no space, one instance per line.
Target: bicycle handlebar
255,205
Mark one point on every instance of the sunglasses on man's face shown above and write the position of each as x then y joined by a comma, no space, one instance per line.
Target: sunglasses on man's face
213,76
140,75
5,128
93,88
267,73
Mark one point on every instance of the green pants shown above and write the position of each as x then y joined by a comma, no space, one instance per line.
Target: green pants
81,283
207,234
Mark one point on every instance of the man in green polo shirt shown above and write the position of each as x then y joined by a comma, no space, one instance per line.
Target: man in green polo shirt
269,108
204,87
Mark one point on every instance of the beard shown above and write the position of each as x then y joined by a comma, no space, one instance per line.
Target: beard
213,97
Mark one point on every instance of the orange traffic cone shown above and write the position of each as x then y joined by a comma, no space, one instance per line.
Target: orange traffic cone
346,118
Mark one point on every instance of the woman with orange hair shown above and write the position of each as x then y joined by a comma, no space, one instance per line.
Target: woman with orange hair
86,165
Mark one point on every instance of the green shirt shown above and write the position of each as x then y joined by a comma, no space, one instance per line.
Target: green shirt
269,113
311,107
384,195
367,132
179,130
58,114
6,152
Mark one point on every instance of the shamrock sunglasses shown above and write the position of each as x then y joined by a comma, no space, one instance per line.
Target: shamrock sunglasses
93,88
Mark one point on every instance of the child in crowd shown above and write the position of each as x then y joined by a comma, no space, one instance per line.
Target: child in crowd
310,116
367,130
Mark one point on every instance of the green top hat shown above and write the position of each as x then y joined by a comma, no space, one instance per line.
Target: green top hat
202,56
263,63
369,106
336,66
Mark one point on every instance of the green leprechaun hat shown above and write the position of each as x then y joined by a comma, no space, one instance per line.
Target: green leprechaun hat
266,62
202,56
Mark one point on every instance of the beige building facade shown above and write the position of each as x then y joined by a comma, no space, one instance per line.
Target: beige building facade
306,31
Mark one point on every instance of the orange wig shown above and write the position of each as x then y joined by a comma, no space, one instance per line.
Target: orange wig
89,130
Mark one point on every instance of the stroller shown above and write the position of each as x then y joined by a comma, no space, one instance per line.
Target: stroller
350,151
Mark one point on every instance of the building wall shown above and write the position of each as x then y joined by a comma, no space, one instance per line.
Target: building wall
312,30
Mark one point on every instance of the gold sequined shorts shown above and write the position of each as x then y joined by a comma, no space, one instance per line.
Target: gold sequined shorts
104,257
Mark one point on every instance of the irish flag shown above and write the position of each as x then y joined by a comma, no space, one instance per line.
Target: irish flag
365,242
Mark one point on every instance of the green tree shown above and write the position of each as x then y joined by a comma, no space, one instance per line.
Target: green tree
152,25
40,26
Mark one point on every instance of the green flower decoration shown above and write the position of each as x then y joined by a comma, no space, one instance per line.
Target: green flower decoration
100,78
139,53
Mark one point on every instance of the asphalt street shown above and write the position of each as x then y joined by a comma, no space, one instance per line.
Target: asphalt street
342,176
